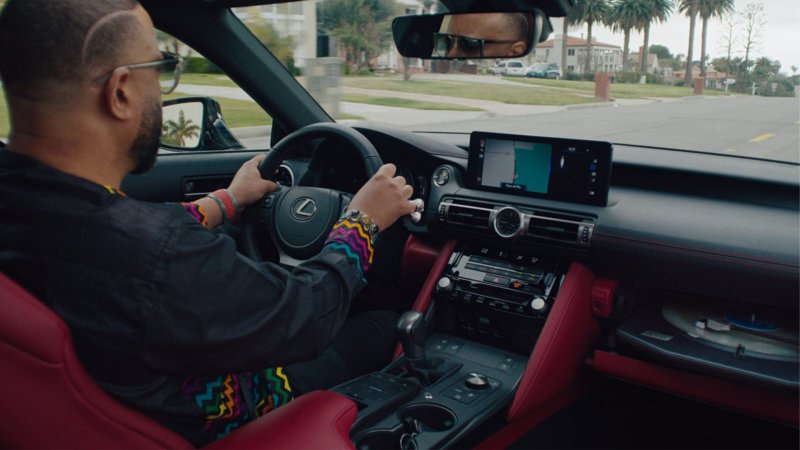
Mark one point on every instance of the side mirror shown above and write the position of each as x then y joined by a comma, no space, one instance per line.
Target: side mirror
195,123
473,35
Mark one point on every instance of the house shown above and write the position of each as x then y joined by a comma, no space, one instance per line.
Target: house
714,78
605,57
652,61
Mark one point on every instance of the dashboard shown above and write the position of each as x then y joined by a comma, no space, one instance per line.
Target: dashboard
693,223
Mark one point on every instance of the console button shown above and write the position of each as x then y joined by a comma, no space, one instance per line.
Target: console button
453,348
490,278
477,381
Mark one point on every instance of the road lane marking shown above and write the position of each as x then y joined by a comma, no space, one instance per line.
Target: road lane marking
763,137
729,150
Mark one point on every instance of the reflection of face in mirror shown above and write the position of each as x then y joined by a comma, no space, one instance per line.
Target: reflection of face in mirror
482,35
182,124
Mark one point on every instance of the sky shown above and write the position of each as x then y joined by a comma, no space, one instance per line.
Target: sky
780,38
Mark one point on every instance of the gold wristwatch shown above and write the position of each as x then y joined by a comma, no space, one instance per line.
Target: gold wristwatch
365,220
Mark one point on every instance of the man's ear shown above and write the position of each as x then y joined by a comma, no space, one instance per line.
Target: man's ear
117,95
518,48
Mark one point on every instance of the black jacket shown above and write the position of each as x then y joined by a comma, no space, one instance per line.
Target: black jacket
155,302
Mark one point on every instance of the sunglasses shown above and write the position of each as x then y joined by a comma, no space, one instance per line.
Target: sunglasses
444,43
169,71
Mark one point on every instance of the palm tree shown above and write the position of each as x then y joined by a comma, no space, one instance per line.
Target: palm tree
626,15
708,9
591,12
659,12
177,132
690,8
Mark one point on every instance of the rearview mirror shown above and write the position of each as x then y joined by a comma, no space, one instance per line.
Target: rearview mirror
473,35
195,123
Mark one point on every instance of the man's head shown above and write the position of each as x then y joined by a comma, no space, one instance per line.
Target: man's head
71,56
501,34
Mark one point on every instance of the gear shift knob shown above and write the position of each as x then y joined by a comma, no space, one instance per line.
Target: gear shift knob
411,329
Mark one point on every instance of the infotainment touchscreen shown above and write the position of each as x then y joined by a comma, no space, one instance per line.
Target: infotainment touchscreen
559,169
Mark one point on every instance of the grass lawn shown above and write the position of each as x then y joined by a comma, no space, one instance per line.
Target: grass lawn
207,79
404,103
504,94
238,113
619,90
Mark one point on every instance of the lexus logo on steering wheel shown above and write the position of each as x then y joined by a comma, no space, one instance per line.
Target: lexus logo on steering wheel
304,208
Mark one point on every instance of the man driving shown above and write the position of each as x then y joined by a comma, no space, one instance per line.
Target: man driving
165,314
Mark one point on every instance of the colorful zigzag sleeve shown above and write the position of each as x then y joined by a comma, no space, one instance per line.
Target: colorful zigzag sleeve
196,212
352,239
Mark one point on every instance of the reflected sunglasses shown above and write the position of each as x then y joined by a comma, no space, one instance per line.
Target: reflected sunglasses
169,71
443,43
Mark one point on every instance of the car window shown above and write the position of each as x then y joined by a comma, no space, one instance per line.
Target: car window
246,120
746,107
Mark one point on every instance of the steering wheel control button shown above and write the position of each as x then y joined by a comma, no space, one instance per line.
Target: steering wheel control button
442,176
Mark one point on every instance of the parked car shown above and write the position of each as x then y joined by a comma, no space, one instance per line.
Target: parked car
570,292
514,69
499,68
544,70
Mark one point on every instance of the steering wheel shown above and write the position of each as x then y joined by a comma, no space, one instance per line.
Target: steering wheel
299,218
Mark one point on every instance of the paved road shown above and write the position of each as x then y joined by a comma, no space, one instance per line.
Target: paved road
742,125
749,126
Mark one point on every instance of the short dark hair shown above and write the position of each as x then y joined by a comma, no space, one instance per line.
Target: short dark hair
43,42
520,24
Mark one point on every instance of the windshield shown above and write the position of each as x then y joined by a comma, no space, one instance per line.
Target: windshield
739,96
737,99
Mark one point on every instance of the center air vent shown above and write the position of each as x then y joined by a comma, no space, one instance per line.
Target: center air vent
468,214
513,222
555,227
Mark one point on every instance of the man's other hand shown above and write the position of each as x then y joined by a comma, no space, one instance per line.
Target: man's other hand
247,186
384,197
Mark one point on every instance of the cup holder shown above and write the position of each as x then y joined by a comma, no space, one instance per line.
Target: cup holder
380,440
429,417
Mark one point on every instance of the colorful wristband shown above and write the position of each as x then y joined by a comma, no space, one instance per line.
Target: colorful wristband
227,203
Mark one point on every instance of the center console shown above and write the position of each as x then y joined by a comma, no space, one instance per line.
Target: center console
496,296
464,358
471,349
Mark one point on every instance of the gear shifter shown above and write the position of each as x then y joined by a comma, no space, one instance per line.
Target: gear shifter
411,328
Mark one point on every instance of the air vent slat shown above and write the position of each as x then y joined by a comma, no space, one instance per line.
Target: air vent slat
469,216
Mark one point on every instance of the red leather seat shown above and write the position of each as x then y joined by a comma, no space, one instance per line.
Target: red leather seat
48,401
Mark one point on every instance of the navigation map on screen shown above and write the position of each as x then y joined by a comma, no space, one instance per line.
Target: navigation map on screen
517,165
571,170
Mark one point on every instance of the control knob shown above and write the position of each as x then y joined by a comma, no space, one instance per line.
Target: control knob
477,381
538,304
445,284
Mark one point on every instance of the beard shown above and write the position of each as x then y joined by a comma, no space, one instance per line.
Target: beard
144,149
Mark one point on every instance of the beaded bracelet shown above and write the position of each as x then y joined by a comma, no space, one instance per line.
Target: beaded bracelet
227,203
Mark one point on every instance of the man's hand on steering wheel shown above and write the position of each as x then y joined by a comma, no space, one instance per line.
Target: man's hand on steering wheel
384,197
247,186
